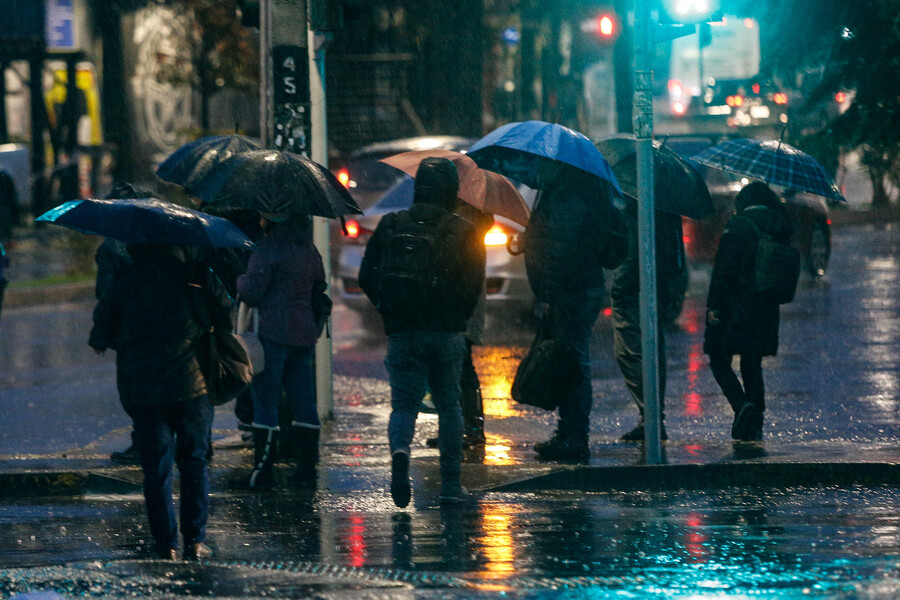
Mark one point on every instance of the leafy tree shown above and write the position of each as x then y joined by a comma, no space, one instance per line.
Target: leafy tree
851,46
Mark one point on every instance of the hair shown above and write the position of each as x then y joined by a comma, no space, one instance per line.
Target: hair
754,194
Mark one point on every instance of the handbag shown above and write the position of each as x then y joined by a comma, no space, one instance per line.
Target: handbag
223,357
246,327
548,374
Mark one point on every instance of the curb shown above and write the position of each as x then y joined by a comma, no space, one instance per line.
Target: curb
48,294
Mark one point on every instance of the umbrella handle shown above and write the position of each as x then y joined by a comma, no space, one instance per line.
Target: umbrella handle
344,226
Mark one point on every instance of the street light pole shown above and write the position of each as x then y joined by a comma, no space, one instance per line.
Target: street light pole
642,117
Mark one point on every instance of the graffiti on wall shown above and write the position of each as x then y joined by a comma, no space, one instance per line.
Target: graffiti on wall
161,81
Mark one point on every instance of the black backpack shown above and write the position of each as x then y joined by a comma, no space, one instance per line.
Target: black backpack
413,272
777,268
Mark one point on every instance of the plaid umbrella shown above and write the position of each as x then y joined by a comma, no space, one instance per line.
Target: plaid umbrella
773,162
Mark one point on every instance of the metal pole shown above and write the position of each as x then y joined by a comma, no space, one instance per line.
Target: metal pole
319,153
265,73
643,131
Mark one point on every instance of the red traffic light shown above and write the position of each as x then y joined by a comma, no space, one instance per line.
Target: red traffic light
605,26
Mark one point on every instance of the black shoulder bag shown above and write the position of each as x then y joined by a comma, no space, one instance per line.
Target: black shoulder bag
548,374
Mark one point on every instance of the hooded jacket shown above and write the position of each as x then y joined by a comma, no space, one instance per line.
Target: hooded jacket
748,323
436,186
280,277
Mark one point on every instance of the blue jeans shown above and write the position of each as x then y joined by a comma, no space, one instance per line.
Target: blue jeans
292,368
571,319
422,360
178,430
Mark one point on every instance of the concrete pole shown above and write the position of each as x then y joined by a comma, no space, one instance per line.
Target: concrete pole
266,110
643,131
321,230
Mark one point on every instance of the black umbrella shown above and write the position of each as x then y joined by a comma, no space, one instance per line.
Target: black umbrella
277,182
678,186
147,221
192,161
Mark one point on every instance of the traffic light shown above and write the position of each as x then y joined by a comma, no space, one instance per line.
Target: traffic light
691,11
603,26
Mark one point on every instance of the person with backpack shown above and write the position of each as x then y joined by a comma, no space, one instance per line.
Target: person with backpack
574,232
284,271
625,297
423,270
741,318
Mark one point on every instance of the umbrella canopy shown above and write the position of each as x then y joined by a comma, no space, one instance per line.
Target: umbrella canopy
192,161
147,221
516,150
773,162
677,186
277,182
485,190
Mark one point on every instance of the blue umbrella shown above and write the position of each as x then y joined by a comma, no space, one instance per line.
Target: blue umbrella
147,221
516,150
192,161
774,162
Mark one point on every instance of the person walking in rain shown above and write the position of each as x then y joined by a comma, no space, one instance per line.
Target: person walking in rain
149,316
625,296
573,234
423,270
738,320
281,275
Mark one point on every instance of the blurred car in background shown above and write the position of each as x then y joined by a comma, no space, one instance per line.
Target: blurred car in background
505,278
808,212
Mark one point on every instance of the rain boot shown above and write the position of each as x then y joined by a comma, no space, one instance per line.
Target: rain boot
306,453
265,441
473,417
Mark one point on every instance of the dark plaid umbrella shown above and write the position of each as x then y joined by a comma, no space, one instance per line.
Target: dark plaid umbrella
276,182
773,162
678,187
147,221
192,161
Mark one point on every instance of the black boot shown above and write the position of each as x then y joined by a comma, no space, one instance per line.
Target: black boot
264,444
306,453
473,417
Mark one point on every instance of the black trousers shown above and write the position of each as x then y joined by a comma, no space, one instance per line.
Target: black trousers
752,390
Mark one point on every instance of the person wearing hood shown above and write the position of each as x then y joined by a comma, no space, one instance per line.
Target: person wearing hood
738,320
281,274
149,315
423,270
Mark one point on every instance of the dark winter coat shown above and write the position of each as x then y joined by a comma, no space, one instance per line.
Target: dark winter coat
465,254
748,324
574,232
280,277
146,316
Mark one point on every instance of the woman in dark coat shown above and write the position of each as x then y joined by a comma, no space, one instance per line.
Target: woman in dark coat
738,321
147,316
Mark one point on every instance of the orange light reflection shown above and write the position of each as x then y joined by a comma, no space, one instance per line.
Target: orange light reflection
496,540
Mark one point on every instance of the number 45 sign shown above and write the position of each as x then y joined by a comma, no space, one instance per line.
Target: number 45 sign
290,66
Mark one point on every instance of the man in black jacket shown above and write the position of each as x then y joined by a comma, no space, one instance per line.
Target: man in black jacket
574,232
148,316
425,318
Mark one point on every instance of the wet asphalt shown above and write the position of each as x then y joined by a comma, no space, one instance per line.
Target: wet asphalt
813,511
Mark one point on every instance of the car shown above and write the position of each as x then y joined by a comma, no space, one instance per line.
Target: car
505,279
808,212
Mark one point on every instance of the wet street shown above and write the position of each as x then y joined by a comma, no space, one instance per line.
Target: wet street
833,393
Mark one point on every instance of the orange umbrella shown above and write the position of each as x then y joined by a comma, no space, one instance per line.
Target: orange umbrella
485,190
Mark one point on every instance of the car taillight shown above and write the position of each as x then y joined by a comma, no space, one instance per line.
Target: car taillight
344,177
497,235
734,101
678,108
356,233
780,98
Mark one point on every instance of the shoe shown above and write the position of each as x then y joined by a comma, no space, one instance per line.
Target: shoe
747,426
264,441
427,405
637,434
167,554
559,448
454,494
129,456
471,439
400,489
196,552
